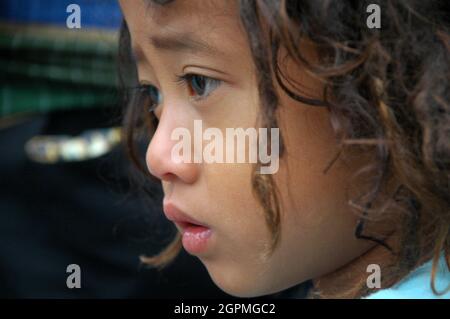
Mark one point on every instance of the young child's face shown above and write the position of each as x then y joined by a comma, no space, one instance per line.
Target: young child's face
317,227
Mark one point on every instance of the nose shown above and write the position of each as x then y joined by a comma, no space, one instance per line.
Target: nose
159,153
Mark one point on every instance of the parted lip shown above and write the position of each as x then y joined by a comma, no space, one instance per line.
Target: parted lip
176,215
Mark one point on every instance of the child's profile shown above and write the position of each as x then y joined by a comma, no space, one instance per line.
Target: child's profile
364,144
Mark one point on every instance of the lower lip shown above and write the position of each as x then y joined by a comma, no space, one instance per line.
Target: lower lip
195,238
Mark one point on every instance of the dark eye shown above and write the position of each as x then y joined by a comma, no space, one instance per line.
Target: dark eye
151,95
200,86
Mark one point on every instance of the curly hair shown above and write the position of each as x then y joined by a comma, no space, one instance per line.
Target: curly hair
385,89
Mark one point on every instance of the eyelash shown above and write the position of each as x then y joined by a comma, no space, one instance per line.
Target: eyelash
185,80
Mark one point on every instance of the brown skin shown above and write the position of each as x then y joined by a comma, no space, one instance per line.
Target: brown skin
317,225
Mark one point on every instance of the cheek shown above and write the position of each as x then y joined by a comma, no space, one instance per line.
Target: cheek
229,192
228,186
237,266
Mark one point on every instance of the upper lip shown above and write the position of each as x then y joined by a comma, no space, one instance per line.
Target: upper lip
176,215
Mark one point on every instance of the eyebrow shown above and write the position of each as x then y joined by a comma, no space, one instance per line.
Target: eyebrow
181,42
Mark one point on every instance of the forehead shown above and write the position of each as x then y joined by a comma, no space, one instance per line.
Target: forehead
207,21
190,10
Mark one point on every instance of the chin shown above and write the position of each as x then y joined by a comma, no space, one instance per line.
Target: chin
239,289
238,282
